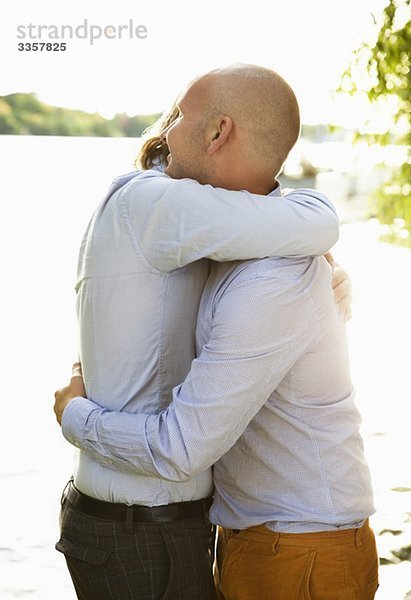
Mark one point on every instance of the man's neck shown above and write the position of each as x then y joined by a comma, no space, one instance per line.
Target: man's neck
236,176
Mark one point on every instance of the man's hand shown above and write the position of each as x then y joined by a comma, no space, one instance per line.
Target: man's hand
342,288
66,394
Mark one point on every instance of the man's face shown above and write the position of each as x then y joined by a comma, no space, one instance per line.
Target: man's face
185,136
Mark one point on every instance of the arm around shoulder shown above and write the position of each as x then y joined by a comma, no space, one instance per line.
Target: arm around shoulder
180,221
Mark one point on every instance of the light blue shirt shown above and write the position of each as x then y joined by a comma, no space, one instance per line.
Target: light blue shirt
269,401
140,279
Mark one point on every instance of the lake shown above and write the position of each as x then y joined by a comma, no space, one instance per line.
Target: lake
52,186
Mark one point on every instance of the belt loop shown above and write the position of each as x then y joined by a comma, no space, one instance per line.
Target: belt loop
64,492
276,542
358,540
129,518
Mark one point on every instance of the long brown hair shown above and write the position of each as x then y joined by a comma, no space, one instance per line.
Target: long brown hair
154,150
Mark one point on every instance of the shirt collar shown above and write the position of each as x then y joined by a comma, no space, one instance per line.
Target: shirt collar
276,191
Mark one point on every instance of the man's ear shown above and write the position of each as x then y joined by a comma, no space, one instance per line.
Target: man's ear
219,133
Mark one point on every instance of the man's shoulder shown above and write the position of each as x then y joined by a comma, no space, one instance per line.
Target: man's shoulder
269,283
258,278
270,291
272,268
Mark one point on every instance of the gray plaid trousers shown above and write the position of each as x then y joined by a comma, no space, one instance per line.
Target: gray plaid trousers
109,560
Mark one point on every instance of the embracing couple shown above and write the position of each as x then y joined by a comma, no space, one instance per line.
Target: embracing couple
214,387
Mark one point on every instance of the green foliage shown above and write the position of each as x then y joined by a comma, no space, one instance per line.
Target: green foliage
8,123
387,67
26,114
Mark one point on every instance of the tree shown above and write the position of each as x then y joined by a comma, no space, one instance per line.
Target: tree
8,123
26,114
387,66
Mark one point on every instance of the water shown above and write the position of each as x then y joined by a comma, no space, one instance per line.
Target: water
50,188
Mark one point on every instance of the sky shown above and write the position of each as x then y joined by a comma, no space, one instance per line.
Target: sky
308,43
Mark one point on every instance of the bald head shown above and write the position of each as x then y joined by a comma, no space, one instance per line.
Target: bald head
234,128
262,106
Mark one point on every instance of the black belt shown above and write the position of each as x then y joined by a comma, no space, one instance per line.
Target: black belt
113,511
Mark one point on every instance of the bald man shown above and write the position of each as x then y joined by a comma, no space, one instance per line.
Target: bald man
126,531
236,116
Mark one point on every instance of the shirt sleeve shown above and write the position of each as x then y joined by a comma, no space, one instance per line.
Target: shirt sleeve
176,222
259,331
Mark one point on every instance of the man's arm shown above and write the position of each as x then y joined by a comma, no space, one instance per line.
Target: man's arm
258,334
176,222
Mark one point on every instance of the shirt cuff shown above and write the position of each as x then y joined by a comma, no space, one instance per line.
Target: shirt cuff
74,419
120,442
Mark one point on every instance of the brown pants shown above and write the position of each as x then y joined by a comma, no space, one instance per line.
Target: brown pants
258,564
